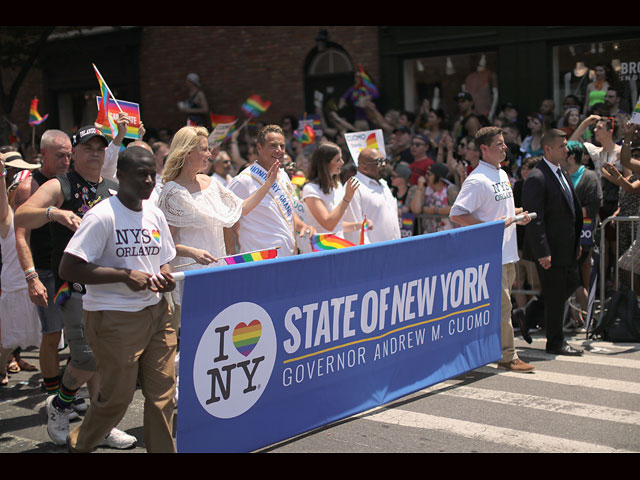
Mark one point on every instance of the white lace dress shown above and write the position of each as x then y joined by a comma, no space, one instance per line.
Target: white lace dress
198,220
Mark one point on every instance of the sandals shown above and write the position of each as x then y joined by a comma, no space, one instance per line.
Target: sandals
13,367
26,366
4,379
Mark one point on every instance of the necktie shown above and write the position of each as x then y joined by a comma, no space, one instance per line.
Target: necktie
565,187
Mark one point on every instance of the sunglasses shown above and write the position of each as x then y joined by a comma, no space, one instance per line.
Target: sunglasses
380,161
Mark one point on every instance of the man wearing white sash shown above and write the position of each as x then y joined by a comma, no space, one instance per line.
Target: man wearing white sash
273,223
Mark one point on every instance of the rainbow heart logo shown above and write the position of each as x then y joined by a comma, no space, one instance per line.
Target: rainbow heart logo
156,235
372,141
246,337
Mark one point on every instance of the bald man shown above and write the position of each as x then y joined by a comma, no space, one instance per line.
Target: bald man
373,200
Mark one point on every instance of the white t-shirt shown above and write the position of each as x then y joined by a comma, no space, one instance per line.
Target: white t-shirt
330,200
486,194
374,200
270,223
600,157
111,235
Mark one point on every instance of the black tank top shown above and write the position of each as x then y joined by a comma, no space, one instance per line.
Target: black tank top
79,196
40,238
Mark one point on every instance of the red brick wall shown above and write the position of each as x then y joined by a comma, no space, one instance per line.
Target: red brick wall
234,62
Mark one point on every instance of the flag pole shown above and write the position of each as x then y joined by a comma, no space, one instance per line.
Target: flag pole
108,89
228,256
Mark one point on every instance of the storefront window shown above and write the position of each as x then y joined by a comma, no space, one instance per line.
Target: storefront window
440,79
584,71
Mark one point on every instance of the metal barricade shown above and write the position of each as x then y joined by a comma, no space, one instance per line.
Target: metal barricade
604,253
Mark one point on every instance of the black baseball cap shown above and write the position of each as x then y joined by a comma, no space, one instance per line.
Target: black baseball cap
84,134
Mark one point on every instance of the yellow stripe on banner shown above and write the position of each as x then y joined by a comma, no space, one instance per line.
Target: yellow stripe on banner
385,334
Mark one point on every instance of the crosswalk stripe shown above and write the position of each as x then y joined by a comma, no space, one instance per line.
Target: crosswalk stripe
567,379
539,403
499,435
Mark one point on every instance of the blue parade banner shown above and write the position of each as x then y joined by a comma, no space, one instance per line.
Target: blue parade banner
272,349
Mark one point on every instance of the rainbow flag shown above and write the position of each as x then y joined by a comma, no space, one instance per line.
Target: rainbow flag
104,93
364,86
366,82
255,106
251,256
34,116
328,241
63,294
366,225
307,136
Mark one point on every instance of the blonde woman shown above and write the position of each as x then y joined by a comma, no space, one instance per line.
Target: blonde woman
196,207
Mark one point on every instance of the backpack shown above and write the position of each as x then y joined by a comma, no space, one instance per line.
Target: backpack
621,319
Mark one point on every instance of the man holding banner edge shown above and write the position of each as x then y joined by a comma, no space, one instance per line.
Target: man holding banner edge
485,196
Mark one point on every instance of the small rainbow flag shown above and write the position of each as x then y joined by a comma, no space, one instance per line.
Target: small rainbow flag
251,256
63,294
328,241
307,136
34,116
255,106
105,93
366,225
364,86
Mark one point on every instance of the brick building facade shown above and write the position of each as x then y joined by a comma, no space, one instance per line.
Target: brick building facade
148,65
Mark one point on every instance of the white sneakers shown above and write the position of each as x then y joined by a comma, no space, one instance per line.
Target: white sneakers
57,422
119,439
58,429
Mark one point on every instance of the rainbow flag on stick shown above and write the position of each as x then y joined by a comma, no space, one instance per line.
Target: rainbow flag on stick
105,93
328,241
255,106
366,225
364,86
34,116
250,256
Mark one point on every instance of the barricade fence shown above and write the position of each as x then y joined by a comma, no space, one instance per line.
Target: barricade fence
617,247
610,240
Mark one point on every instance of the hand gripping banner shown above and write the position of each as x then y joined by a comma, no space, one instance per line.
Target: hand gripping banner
270,350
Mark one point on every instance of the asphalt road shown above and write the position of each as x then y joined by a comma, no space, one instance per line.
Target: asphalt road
569,405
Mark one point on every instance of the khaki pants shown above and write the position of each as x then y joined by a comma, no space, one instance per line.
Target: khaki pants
129,347
506,327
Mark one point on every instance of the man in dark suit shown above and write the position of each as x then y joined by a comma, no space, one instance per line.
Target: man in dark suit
552,240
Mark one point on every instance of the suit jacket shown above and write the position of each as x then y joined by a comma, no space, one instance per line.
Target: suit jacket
557,229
